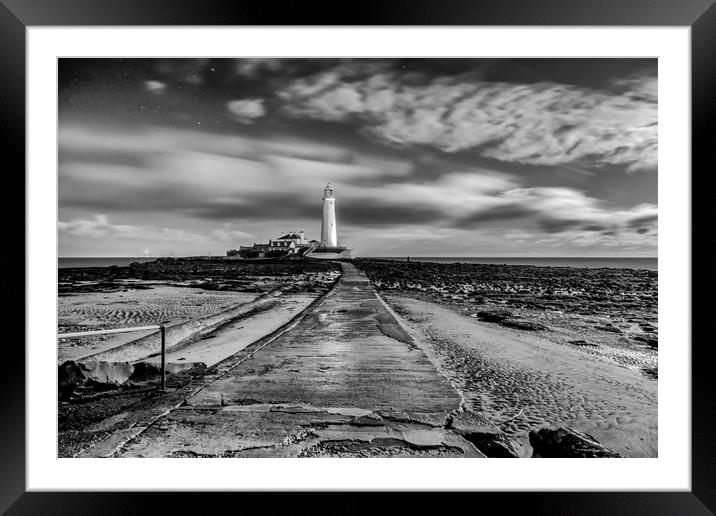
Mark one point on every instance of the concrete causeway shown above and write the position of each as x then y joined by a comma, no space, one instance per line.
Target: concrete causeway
347,380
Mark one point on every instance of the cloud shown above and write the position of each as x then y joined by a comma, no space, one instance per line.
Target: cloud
246,111
499,213
250,187
646,220
155,86
542,123
191,170
252,68
189,71
103,237
225,234
97,228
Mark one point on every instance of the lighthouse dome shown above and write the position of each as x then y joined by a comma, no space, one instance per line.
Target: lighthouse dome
328,191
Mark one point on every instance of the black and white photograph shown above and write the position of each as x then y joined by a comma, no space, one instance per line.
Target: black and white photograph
357,257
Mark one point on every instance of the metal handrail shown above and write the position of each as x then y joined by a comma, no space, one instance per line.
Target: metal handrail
160,327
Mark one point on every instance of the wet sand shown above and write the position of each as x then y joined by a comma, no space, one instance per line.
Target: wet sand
522,379
87,311
170,291
234,337
607,312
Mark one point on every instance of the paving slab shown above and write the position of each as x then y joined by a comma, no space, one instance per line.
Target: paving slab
346,380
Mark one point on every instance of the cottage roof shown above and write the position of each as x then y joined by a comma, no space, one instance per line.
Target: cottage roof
289,236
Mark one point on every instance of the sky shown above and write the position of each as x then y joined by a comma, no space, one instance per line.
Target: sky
427,157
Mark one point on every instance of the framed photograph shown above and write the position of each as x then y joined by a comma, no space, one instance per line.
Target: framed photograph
278,251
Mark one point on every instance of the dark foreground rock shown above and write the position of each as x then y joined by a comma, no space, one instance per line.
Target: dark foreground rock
484,434
109,375
505,318
580,342
563,442
496,316
521,324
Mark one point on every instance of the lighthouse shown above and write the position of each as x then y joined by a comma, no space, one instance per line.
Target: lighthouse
329,235
328,248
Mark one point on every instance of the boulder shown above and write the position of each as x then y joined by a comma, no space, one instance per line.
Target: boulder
147,370
107,373
70,376
582,343
609,327
73,374
522,325
495,316
649,341
483,433
563,442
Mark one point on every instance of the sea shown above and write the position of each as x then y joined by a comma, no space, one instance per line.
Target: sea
65,263
582,262
626,263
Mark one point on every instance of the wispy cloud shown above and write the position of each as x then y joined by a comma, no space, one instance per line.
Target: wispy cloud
247,110
426,156
98,227
238,179
155,86
539,123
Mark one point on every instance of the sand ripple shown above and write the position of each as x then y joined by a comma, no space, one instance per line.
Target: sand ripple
143,307
521,381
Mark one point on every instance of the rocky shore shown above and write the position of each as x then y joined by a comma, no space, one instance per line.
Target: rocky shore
556,357
602,311
172,290
222,274
166,291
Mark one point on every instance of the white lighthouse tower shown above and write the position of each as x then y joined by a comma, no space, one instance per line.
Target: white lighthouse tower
329,235
328,248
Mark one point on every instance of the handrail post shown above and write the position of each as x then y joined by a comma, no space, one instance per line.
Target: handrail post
162,330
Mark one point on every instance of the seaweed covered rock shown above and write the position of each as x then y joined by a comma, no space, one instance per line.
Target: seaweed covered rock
73,374
496,316
483,433
522,324
564,442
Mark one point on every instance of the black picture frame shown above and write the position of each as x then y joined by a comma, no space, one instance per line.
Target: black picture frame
700,15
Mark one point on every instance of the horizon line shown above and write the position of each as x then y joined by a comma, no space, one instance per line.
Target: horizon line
376,256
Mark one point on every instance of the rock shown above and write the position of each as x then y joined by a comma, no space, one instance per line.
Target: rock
493,316
522,325
582,343
95,374
609,328
144,371
563,442
483,433
109,373
649,341
70,377
651,372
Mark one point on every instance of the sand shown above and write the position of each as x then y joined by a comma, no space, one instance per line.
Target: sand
234,337
523,380
119,309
